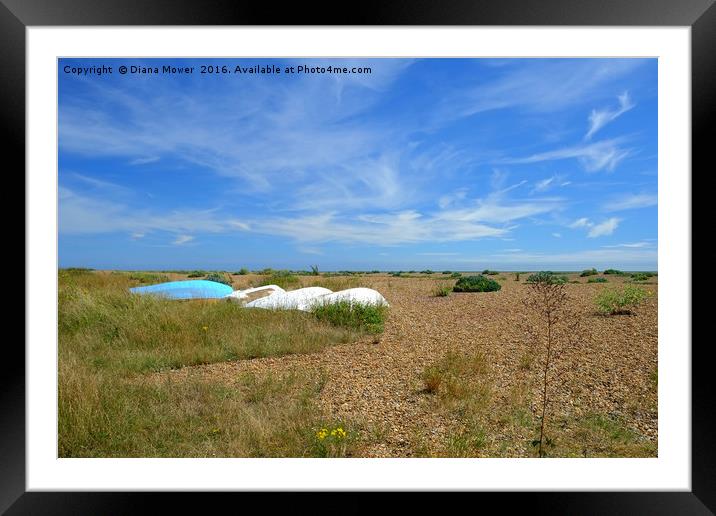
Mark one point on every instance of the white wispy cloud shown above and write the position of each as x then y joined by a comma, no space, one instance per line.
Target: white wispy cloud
460,219
581,223
557,235
480,218
603,155
541,186
371,183
600,118
632,201
538,87
604,228
144,161
381,229
99,184
633,245
465,218
183,239
549,183
287,134
83,214
448,200
239,225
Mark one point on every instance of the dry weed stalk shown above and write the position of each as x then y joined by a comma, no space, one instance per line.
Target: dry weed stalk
559,329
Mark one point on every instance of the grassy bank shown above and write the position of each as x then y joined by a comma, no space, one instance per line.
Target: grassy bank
110,404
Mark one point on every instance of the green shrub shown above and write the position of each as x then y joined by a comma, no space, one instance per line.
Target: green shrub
314,270
548,277
456,275
589,272
489,272
284,279
396,274
427,271
196,274
597,280
517,276
219,278
616,272
368,318
640,276
477,283
447,272
616,301
242,272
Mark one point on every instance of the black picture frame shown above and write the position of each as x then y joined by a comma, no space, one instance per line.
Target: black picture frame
17,15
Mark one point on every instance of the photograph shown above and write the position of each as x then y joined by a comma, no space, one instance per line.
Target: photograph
358,257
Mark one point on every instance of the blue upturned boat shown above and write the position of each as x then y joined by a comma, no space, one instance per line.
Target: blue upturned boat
189,289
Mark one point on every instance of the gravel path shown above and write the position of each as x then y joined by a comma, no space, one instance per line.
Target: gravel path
377,381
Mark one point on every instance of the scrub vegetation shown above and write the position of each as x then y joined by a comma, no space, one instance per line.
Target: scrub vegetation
435,375
477,283
620,301
110,341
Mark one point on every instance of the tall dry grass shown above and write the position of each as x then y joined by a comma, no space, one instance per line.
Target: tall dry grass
110,405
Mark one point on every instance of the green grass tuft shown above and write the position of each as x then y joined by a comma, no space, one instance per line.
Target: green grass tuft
442,291
367,318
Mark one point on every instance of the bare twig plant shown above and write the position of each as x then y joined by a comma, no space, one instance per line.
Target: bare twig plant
557,329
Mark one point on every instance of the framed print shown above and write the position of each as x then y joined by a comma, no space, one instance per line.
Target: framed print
430,251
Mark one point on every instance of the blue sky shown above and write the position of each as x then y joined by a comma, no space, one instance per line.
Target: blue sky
461,164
